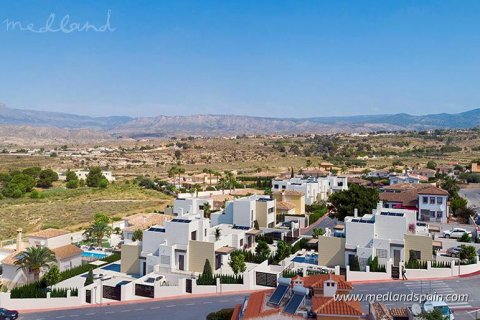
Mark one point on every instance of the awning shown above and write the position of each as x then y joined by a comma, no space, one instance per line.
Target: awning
225,250
437,244
254,232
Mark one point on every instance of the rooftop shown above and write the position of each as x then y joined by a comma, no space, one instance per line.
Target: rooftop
49,233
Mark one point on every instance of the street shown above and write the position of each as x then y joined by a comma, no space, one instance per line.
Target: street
198,308
472,196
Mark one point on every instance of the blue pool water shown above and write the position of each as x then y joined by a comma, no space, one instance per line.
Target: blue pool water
96,255
112,267
312,259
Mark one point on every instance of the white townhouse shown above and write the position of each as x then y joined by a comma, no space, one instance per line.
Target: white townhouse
314,189
389,234
433,205
245,211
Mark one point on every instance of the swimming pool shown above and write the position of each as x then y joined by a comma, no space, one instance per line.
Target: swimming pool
96,255
112,267
311,259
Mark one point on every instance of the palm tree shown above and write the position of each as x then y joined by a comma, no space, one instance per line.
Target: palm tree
209,172
33,259
98,230
207,209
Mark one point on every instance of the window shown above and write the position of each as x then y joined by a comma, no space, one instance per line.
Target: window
284,187
425,199
193,235
414,254
241,243
439,214
432,214
200,207
270,210
439,200
340,184
382,253
432,200
275,186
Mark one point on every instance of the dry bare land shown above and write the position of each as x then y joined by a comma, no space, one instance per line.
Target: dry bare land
72,209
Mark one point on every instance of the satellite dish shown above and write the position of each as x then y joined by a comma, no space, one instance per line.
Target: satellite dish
428,306
42,243
416,309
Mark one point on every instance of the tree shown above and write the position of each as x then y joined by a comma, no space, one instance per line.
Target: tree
451,185
237,262
178,154
218,233
207,209
431,165
436,314
137,235
207,270
464,238
317,232
283,250
34,172
457,203
52,276
89,279
70,175
103,183
94,177
98,230
467,252
356,197
262,250
18,185
72,184
465,213
33,259
355,264
209,172
46,178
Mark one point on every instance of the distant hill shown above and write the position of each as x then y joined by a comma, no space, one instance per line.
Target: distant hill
229,125
57,119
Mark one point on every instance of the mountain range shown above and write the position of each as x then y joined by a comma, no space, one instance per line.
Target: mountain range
218,125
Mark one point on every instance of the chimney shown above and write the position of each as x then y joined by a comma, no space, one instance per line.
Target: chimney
19,240
355,213
329,288
379,207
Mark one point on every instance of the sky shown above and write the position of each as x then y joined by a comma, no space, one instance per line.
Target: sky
261,58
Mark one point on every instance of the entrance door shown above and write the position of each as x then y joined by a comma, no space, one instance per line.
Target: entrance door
218,261
396,257
181,262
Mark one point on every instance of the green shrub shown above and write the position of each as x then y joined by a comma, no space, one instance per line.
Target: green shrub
224,314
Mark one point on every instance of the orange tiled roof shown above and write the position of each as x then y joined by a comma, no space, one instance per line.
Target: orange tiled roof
255,306
283,205
66,252
10,259
49,233
316,281
290,193
434,190
328,305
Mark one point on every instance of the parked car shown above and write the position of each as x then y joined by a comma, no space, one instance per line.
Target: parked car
454,252
6,314
456,233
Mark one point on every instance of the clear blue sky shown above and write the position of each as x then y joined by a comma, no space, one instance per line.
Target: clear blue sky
264,58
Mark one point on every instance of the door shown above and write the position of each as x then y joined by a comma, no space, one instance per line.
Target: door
181,262
396,257
218,261
188,285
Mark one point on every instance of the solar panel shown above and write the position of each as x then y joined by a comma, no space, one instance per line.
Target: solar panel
278,295
294,303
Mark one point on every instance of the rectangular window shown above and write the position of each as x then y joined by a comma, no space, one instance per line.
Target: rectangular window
439,200
425,199
241,243
275,186
439,214
193,235
414,254
432,200
381,253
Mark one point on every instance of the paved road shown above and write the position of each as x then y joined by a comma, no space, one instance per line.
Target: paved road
198,308
472,196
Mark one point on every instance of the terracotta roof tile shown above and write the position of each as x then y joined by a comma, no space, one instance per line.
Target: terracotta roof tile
283,205
49,233
316,281
434,191
144,221
67,251
328,306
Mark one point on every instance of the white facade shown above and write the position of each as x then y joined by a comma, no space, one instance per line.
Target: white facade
433,207
314,189
379,234
243,211
190,206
